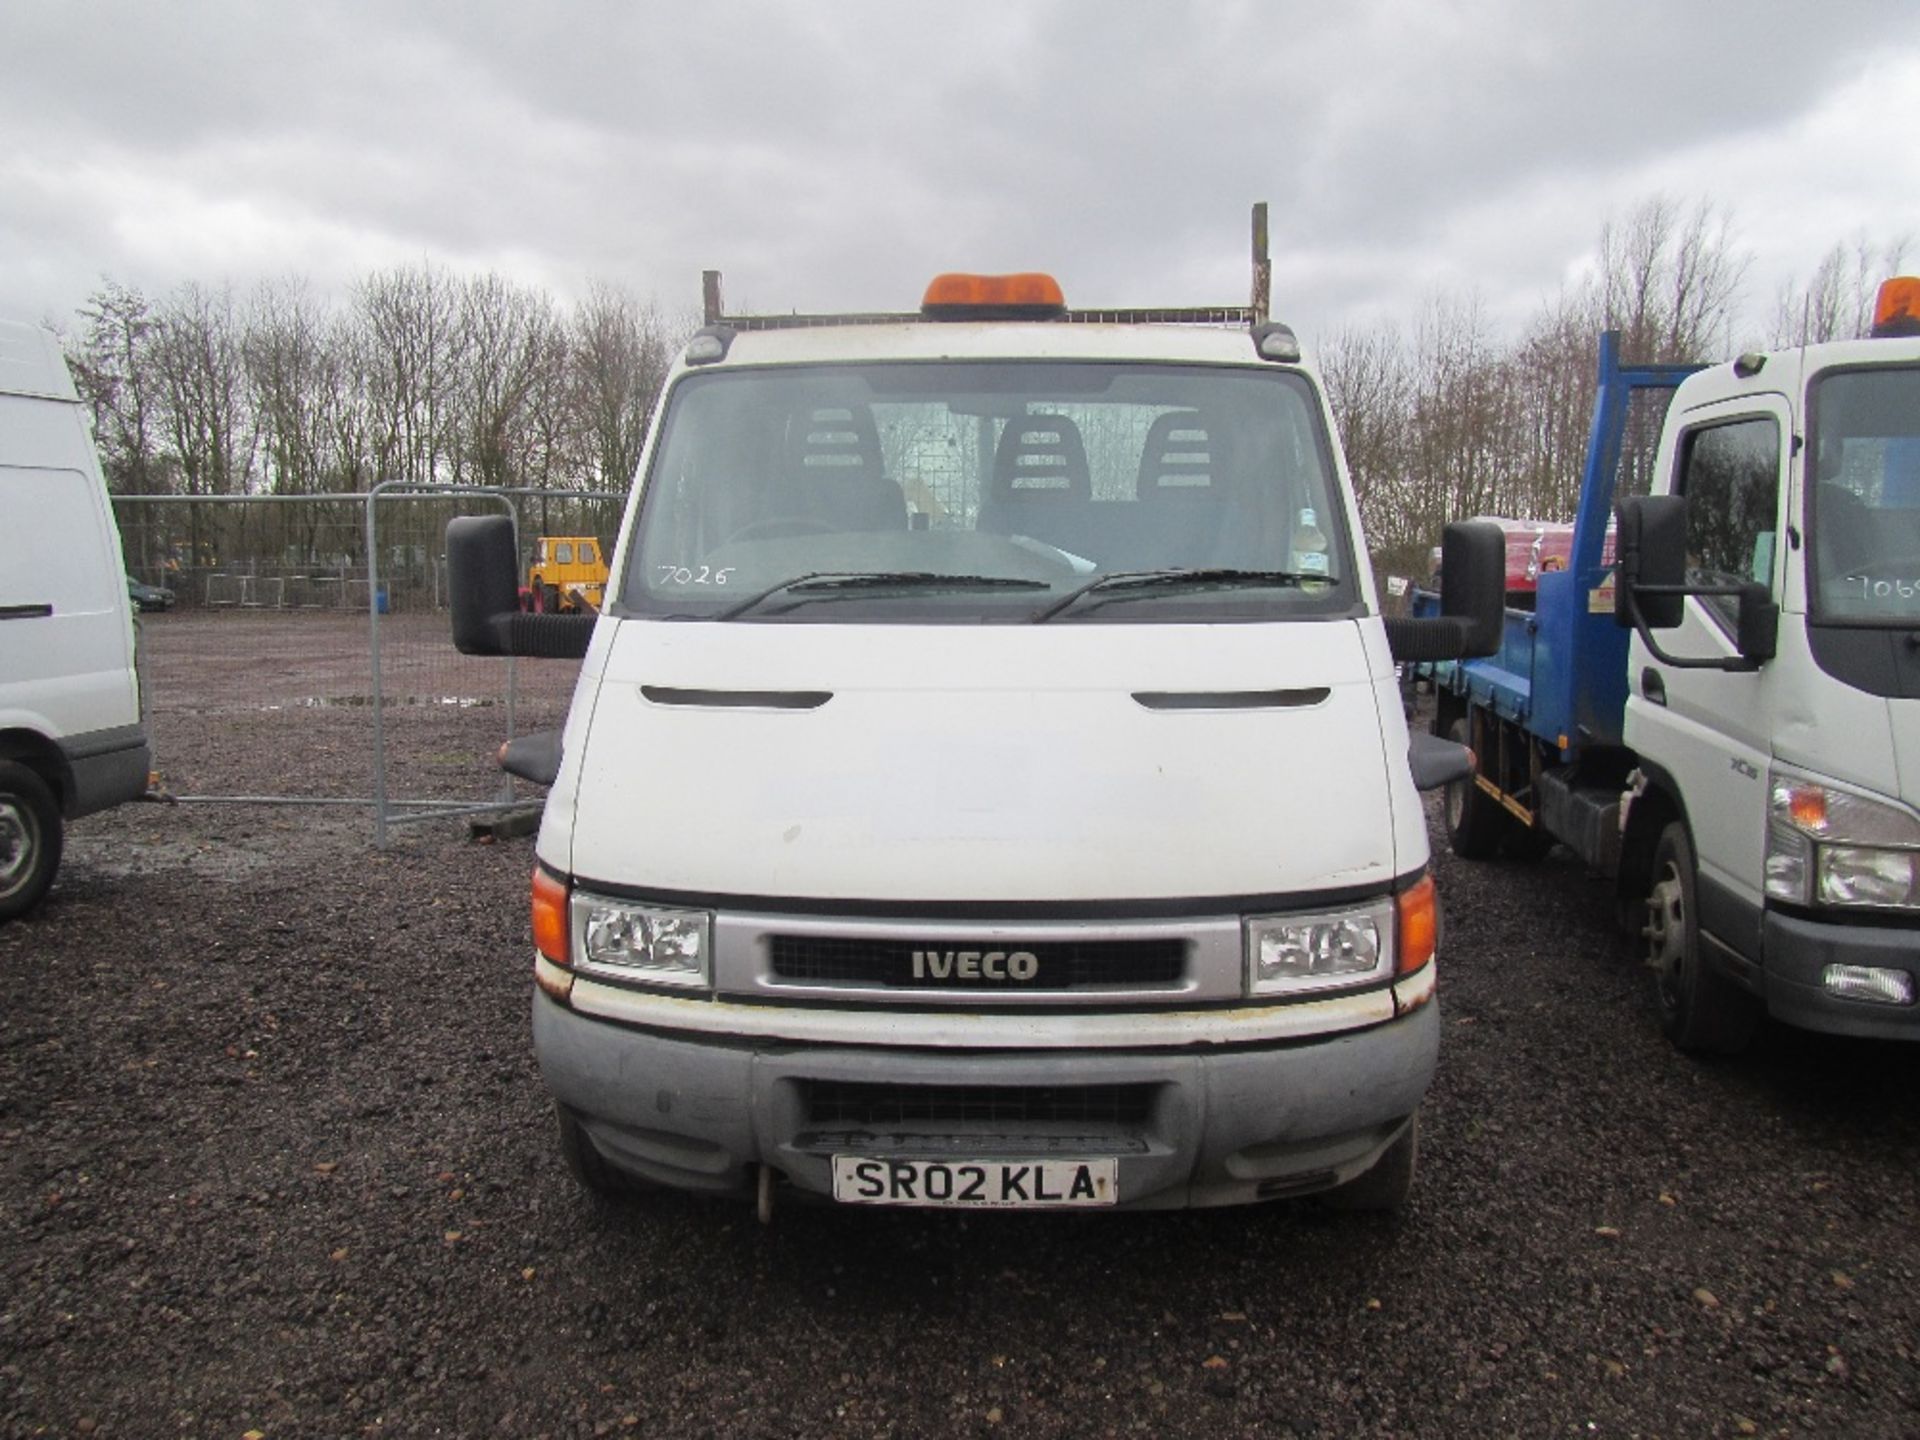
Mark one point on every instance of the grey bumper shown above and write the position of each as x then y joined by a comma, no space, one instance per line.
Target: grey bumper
1223,1126
108,767
1798,951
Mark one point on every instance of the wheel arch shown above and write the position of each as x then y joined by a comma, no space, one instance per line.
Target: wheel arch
1654,808
40,755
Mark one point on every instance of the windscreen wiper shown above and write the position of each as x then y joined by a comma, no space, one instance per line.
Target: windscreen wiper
836,584
1132,584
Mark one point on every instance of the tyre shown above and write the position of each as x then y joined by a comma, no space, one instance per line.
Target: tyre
30,839
550,599
1529,843
1702,1011
1389,1183
1475,822
584,1162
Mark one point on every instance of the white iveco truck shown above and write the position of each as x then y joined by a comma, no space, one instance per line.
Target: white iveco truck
987,783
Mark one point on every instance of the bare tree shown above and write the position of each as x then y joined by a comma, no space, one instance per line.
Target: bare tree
113,370
619,354
409,349
1668,279
198,356
1370,388
509,338
1837,302
289,364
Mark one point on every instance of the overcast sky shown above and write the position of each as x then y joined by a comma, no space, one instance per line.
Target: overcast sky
835,155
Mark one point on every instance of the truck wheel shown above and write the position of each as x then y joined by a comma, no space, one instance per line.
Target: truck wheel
1388,1184
550,599
585,1163
1475,824
1530,843
1702,1011
30,839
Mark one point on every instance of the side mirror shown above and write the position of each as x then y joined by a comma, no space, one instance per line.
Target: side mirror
1757,629
483,580
534,757
1650,591
1473,599
1437,762
1652,547
483,585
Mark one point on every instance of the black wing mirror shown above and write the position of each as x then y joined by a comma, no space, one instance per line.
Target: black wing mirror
1650,588
1473,599
483,585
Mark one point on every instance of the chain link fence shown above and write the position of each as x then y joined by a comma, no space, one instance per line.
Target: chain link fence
301,653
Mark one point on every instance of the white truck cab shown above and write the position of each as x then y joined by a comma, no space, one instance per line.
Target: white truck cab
987,783
1779,777
72,739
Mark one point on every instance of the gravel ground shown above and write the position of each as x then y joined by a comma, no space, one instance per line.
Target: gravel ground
274,1157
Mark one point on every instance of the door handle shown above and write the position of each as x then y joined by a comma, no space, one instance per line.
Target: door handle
25,612
1653,687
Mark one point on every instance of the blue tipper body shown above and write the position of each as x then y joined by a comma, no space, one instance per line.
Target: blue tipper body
1561,673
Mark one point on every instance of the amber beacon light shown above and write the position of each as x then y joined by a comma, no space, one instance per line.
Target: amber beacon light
956,296
1897,312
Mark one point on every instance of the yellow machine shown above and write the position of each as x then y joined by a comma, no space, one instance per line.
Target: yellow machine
568,575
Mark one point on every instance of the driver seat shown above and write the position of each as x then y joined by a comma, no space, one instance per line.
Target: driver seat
833,476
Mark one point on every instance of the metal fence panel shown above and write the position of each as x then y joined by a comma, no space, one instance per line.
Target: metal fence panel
306,657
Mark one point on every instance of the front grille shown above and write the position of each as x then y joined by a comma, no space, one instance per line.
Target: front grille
838,1102
1059,965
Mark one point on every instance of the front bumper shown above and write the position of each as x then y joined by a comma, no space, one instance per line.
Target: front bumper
1219,1124
1799,950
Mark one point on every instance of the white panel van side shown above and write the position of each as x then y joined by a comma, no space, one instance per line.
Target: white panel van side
72,740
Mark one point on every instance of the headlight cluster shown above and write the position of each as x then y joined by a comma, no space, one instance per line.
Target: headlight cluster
1827,846
641,942
1293,953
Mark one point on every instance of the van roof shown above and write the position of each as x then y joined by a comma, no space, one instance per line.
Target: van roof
31,363
993,340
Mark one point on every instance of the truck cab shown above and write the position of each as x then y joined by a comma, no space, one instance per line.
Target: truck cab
986,784
1777,810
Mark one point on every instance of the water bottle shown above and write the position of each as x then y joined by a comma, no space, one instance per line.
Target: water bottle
1310,546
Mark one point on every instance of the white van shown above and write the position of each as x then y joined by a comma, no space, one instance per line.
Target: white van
72,739
987,784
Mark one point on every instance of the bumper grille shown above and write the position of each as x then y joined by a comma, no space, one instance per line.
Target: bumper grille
1061,965
837,1102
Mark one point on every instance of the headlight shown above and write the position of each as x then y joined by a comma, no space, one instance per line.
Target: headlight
1827,846
1293,953
641,942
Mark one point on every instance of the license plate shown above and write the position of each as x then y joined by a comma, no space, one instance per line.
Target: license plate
984,1184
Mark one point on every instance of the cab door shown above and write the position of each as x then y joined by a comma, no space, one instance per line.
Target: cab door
1709,730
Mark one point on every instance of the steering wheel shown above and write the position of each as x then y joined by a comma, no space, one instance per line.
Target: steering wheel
781,527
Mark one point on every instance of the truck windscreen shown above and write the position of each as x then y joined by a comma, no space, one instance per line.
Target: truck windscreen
1864,489
872,486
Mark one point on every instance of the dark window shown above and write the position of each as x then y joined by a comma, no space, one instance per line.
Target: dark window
1863,495
1730,475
